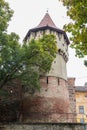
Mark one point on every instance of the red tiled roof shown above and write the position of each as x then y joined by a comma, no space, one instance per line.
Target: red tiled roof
47,21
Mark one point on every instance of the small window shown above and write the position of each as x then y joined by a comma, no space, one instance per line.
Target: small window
66,50
58,82
81,109
50,31
60,36
43,32
82,120
54,61
47,80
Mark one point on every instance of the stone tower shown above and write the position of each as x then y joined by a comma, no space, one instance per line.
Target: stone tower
52,103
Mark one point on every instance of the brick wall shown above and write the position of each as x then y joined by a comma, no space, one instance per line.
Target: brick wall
51,104
54,103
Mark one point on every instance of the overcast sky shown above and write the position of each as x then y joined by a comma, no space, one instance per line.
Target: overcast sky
29,13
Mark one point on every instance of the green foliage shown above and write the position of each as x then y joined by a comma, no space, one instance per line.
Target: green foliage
5,15
24,62
39,55
77,11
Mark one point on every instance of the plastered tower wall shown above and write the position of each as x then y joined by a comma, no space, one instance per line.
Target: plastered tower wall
58,68
51,104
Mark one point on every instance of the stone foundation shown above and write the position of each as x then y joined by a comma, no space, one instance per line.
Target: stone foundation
52,126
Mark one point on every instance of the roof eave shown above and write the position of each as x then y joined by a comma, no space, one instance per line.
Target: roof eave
47,27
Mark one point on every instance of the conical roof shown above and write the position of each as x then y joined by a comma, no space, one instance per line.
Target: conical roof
47,21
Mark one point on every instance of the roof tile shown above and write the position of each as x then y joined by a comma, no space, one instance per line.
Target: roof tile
47,21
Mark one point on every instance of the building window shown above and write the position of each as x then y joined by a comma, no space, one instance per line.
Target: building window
82,120
58,81
81,109
54,61
60,36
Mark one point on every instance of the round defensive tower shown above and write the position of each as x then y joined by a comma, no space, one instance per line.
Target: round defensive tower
51,104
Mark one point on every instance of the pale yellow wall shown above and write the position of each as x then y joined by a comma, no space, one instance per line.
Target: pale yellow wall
81,100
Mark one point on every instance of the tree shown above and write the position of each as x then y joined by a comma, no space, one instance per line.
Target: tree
77,11
24,62
28,61
5,15
39,55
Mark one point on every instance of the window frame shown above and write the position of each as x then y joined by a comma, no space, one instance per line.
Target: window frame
81,109
81,120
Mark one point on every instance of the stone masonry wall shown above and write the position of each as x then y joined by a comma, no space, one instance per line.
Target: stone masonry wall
60,126
72,98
